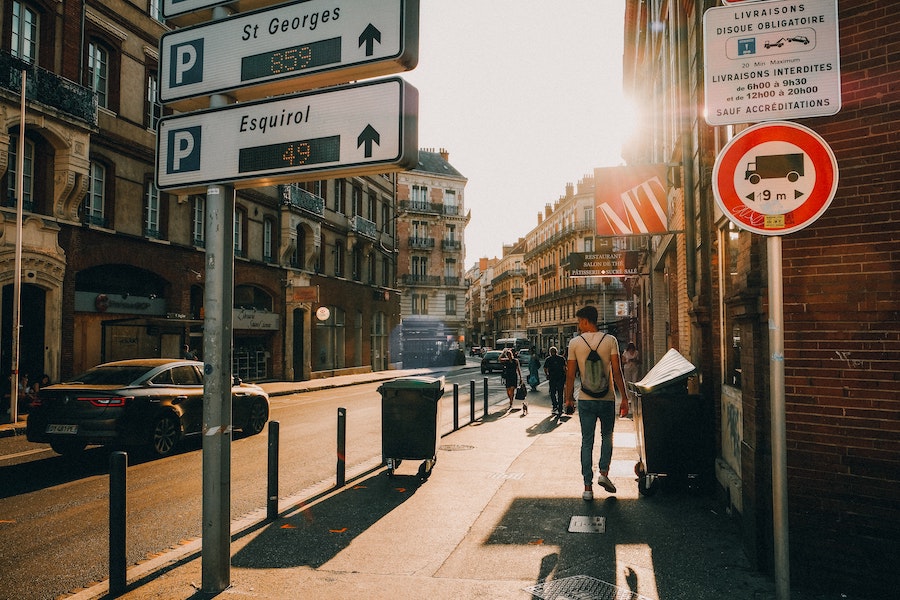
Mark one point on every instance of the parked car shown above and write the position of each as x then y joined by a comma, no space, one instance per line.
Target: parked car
524,356
153,403
490,361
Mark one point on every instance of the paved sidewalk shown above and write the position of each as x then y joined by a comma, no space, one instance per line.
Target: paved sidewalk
493,521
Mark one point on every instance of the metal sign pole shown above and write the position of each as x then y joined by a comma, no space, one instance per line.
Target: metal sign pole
17,279
217,349
779,443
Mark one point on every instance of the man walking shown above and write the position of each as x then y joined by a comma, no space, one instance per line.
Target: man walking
594,403
555,371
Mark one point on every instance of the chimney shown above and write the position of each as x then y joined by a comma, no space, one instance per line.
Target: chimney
445,155
570,190
548,210
540,218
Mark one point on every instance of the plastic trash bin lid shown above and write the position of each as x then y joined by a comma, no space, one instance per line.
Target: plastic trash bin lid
431,384
671,368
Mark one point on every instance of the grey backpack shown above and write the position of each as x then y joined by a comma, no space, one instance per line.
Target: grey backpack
594,380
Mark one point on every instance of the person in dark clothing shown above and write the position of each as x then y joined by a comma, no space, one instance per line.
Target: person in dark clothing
555,370
512,375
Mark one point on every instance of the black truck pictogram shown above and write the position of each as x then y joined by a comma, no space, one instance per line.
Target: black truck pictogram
774,166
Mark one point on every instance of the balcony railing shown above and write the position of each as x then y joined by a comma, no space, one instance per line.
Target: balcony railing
451,245
421,207
297,197
49,89
421,280
421,243
363,226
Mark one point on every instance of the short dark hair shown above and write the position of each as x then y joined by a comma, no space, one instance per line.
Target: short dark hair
589,313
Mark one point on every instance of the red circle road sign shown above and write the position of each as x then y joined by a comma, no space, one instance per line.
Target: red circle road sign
775,178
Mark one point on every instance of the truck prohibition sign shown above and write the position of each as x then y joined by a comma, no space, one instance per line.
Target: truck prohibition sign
775,166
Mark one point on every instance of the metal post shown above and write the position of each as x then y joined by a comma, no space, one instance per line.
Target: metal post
485,396
341,446
118,463
472,401
779,437
272,479
218,305
17,276
455,406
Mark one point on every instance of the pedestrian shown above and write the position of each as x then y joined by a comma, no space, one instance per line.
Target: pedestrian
631,363
594,403
534,369
512,376
187,353
555,371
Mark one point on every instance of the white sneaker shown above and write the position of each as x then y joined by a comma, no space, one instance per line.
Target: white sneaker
606,484
587,495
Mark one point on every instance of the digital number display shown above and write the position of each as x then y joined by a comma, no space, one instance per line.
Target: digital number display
295,58
289,154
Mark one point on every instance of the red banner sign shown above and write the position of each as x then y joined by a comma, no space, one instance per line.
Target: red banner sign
631,200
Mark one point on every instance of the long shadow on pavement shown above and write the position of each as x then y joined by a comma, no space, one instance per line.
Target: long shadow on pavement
312,535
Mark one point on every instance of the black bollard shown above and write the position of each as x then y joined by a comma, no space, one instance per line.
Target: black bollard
472,401
118,463
272,479
455,406
341,446
485,397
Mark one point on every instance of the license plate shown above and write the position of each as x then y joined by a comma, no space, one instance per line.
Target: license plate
62,428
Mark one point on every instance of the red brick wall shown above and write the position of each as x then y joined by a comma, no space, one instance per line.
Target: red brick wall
842,330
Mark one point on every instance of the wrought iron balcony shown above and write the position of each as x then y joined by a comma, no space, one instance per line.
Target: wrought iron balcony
421,280
363,227
48,88
451,245
297,197
421,243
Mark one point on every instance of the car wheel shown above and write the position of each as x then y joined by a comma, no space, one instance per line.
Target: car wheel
165,435
68,447
258,417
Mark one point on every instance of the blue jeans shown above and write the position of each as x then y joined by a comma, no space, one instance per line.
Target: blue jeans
589,411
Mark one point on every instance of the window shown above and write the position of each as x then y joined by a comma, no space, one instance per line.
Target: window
95,200
419,266
385,272
370,267
330,340
357,264
155,10
451,304
300,249
268,235
199,221
386,218
588,244
28,173
356,197
371,211
240,219
24,33
154,108
339,259
419,196
340,202
151,211
319,189
589,215
98,72
419,304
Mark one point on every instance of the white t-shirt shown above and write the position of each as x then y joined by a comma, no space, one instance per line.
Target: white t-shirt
579,350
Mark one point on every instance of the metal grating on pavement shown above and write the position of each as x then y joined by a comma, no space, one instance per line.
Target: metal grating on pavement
506,475
581,587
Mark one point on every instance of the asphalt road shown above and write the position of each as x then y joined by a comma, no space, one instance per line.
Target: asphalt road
54,511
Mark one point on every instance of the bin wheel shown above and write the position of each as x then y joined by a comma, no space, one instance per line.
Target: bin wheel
392,463
646,482
425,468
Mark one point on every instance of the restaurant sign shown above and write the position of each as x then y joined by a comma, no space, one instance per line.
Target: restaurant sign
622,263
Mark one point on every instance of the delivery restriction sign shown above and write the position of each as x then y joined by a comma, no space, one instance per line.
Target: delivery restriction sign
775,178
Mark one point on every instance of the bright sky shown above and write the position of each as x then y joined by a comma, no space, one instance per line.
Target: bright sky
526,97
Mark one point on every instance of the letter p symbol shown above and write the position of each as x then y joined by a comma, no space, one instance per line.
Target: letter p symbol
186,63
184,150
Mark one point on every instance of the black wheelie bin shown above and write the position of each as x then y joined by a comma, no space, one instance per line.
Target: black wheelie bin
410,421
674,428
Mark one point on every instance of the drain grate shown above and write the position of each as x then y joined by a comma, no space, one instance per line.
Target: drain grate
581,587
455,447
506,475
